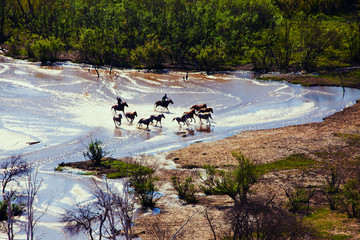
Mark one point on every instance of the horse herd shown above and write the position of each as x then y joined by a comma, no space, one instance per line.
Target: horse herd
201,111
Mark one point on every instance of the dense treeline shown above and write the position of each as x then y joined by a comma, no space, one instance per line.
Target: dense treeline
202,34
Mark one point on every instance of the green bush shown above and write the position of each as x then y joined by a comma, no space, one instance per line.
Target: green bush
17,210
186,190
299,199
151,53
125,169
47,49
350,199
95,152
145,190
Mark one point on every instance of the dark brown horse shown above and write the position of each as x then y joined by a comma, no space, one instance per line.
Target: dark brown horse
182,119
131,116
119,107
117,120
145,122
206,110
158,118
205,116
198,107
163,104
190,115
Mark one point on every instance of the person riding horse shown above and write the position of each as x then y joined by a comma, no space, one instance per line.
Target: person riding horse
164,98
119,100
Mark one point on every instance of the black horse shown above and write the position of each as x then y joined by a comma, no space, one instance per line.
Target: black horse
205,116
120,107
145,122
158,118
163,104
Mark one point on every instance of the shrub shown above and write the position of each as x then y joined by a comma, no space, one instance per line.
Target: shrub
145,190
350,199
46,50
152,54
186,190
263,219
17,210
331,189
299,199
235,183
95,152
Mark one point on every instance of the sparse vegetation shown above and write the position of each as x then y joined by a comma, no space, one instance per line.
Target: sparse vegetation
186,190
299,199
295,161
145,189
235,183
329,224
125,169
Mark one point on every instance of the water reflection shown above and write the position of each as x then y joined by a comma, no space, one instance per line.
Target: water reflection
204,128
118,132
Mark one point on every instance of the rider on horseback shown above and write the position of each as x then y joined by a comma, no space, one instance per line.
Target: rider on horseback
164,98
119,100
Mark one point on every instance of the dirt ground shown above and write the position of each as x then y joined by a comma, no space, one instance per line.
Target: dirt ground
333,142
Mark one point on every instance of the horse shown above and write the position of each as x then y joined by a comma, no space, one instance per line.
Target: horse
206,110
120,107
145,122
190,115
182,119
131,115
158,118
198,107
117,120
163,104
205,116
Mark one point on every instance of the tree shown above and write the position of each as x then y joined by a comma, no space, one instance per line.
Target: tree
263,219
331,188
350,201
12,169
80,219
32,187
299,199
95,152
103,217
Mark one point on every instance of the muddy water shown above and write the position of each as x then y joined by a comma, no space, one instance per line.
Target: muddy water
64,106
